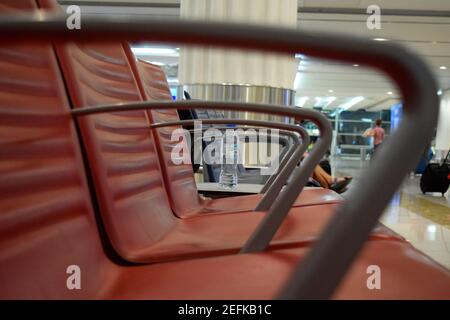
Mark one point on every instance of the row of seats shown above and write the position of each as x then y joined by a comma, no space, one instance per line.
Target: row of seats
103,194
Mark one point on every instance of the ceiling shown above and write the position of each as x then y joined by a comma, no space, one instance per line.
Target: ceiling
423,26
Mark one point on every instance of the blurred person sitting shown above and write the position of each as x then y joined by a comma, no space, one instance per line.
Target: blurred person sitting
327,181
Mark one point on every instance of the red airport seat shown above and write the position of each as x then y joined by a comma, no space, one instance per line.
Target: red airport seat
128,182
48,224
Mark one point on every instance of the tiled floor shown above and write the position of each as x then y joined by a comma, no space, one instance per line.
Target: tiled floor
424,220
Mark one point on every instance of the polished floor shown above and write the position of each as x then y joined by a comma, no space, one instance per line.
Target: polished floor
424,220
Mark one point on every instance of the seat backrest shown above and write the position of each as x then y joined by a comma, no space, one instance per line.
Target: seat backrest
179,178
46,222
120,148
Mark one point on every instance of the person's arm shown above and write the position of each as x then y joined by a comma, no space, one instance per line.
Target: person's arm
368,133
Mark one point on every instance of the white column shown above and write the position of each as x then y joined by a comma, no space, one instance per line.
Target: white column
228,66
234,75
443,128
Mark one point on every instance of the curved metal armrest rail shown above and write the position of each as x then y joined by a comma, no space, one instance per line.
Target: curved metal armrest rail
285,164
288,166
357,215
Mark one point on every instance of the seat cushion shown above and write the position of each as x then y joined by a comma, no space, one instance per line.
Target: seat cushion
220,234
308,197
405,274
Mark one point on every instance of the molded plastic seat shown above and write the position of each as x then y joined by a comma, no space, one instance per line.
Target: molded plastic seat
179,179
48,224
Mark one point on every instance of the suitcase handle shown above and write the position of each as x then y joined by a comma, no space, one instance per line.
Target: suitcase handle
447,158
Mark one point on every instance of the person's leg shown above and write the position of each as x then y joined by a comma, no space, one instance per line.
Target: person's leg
322,177
326,181
375,147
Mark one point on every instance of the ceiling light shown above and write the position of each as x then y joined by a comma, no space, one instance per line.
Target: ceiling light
323,102
330,91
439,93
347,105
329,100
153,51
318,102
389,92
356,65
301,101
300,56
157,63
298,80
443,67
380,39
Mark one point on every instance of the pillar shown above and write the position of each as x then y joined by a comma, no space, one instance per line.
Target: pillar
443,128
234,75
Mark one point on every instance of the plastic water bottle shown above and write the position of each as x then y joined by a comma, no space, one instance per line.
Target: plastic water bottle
229,166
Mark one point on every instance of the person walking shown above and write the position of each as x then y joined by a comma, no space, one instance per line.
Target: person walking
377,133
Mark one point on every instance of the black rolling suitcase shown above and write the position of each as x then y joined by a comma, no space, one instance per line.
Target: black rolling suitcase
435,177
